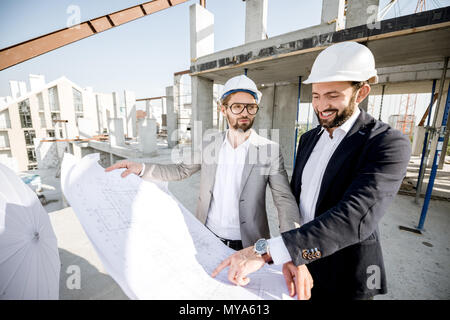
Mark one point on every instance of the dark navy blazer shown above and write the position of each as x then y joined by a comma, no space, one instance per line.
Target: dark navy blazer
341,246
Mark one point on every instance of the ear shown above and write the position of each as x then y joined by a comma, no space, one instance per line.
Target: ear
363,93
223,109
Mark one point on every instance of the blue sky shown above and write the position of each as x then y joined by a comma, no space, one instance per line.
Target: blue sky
141,55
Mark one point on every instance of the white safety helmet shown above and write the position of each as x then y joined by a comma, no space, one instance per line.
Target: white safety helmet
345,61
241,83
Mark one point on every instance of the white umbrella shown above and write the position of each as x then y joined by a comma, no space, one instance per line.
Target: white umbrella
29,258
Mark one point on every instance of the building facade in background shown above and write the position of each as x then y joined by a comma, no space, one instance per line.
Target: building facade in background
27,117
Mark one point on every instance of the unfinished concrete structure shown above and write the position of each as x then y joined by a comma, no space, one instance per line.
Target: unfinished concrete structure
409,52
28,117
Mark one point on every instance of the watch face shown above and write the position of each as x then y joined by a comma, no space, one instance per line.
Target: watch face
261,246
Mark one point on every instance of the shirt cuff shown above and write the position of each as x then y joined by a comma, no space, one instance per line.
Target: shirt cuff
142,171
278,251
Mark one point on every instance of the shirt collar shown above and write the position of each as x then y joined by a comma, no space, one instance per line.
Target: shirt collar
347,125
244,144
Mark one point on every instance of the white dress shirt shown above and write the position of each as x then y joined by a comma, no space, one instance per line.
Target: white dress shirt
223,214
312,180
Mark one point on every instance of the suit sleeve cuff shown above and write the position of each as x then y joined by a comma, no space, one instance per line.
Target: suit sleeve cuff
142,171
278,251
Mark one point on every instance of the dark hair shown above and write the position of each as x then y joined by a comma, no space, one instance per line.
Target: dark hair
359,84
226,100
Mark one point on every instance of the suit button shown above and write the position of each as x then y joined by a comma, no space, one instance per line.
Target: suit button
305,254
317,253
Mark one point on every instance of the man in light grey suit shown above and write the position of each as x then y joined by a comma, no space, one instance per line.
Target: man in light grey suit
236,167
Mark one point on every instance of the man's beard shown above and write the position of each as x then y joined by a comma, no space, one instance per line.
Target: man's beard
243,126
339,119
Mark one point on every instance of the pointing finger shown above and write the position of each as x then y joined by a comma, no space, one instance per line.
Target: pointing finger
118,165
225,263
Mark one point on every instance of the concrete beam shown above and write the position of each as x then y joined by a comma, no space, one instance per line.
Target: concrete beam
201,31
255,20
403,87
416,72
285,57
261,49
361,12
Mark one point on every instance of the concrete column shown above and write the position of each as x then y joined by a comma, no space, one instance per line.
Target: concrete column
264,117
147,136
172,117
417,144
361,12
116,135
148,110
115,98
255,20
333,13
438,124
99,114
202,108
177,92
201,31
177,100
130,104
284,113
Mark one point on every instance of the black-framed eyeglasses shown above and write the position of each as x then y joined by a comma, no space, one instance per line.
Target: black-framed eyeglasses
237,108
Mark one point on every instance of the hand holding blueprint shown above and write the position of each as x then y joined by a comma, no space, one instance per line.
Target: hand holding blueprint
149,243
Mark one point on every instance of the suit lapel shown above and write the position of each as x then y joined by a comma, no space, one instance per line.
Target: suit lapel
357,135
248,167
303,157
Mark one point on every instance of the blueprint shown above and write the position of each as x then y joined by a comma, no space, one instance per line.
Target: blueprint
151,245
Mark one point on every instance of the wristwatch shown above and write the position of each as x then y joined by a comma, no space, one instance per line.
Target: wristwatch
262,248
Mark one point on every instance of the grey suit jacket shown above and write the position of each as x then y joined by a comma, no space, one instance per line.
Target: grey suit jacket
264,165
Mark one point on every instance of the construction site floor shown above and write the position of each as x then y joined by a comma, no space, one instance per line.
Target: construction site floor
417,265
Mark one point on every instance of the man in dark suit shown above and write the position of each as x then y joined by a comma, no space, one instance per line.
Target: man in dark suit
347,172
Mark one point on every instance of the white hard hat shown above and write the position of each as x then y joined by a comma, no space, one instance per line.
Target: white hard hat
345,61
241,83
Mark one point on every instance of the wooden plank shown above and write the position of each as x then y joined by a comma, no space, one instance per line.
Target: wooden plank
126,15
101,24
155,6
29,49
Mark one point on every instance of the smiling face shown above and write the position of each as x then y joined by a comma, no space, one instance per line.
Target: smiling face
244,120
335,102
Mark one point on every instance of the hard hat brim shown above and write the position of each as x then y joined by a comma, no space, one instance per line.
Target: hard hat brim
257,95
339,78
